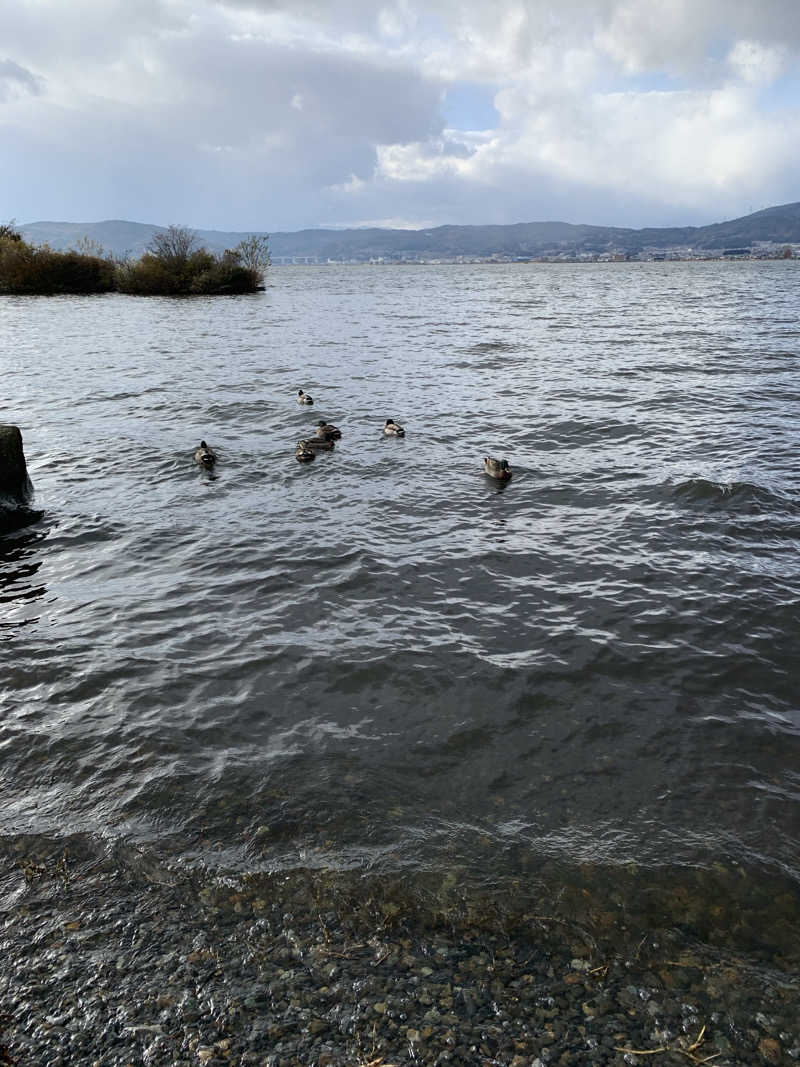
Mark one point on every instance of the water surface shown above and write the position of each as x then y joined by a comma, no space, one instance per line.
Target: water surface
383,660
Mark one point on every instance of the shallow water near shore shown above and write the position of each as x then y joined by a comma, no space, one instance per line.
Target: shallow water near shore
581,685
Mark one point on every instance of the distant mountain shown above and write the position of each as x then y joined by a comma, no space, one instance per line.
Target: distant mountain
115,235
779,225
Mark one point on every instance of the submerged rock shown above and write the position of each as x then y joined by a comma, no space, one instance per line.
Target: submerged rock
15,485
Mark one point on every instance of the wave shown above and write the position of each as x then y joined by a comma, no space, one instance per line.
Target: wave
733,495
483,347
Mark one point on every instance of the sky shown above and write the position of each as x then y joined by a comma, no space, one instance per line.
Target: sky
273,116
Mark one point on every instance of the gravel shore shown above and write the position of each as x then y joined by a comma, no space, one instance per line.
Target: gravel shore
112,965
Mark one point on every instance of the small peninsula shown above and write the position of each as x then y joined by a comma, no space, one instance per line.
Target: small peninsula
172,265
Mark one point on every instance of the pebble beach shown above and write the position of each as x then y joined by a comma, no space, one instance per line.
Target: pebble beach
113,964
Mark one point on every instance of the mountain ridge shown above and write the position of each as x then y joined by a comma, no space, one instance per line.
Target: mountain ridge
776,225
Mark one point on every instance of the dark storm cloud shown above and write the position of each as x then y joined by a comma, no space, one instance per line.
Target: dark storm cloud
318,106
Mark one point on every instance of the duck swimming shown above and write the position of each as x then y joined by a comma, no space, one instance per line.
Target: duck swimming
317,444
303,454
393,429
304,398
497,468
328,431
205,456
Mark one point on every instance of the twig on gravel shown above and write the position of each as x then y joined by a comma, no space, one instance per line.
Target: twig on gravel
644,1051
689,1052
349,952
639,947
375,1061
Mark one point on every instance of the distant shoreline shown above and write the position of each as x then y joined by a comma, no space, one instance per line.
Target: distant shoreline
579,261
767,233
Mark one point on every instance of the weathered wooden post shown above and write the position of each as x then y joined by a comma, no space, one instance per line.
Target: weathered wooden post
15,485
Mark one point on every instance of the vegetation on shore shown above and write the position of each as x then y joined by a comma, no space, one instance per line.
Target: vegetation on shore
173,265
25,268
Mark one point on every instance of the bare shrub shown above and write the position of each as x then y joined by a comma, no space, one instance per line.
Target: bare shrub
253,252
174,245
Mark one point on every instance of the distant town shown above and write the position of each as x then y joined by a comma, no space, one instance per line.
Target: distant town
763,250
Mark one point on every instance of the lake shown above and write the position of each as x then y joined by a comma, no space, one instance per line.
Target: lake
384,661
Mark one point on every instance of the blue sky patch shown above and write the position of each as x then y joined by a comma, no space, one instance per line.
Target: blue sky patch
468,106
782,94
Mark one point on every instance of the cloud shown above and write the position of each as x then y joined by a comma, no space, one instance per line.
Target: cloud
278,115
756,63
16,80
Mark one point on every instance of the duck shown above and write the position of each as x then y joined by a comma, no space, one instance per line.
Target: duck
303,454
393,429
317,444
497,468
304,398
205,456
328,431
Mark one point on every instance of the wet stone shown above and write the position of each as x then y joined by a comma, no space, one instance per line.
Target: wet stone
770,1049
